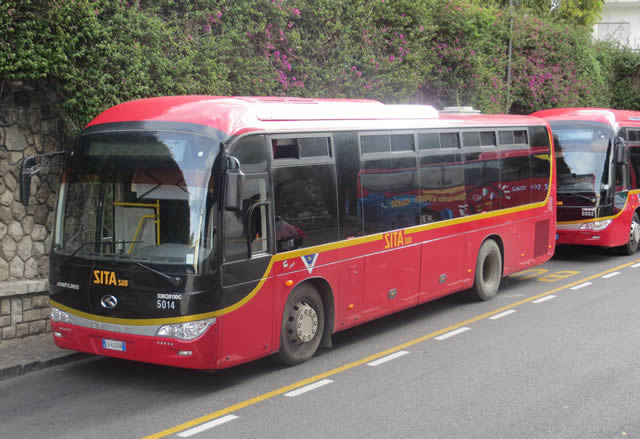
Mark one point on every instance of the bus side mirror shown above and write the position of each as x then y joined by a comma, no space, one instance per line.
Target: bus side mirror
233,184
31,166
621,151
26,172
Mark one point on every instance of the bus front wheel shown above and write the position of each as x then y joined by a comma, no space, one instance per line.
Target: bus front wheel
302,325
634,237
488,271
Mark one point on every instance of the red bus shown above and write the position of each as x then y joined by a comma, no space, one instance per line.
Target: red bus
598,169
204,232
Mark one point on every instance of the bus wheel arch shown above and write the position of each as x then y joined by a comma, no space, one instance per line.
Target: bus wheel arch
326,293
489,268
305,322
634,239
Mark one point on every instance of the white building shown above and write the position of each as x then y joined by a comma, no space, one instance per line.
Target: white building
620,22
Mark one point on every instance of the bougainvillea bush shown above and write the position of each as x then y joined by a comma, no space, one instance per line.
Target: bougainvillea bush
97,53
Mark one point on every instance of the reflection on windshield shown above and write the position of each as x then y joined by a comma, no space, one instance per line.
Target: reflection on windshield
583,154
140,197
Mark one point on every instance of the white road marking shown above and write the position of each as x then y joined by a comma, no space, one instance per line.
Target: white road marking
502,314
308,388
577,287
607,276
207,425
393,356
544,299
452,333
636,265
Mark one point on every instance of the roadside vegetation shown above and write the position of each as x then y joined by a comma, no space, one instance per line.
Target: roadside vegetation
96,54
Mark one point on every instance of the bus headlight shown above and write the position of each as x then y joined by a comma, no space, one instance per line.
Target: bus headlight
57,315
595,226
187,330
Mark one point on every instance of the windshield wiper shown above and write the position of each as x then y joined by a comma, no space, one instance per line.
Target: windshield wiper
576,194
85,243
175,281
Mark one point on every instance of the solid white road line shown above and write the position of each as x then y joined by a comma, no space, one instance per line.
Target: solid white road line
393,356
544,299
636,265
452,333
308,388
607,276
207,425
577,287
502,314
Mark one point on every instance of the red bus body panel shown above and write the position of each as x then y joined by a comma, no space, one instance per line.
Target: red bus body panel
617,233
369,276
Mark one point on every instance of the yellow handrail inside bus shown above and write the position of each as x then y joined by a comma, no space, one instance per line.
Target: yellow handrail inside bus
155,217
135,237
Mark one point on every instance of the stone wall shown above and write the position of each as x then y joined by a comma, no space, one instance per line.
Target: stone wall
27,127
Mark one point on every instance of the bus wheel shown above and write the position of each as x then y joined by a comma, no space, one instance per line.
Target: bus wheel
634,237
488,271
302,325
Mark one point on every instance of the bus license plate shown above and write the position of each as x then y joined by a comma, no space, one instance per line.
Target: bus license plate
113,345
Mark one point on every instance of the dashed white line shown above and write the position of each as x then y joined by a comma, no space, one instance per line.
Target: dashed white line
607,276
577,287
393,356
636,265
502,314
308,388
452,333
544,299
207,425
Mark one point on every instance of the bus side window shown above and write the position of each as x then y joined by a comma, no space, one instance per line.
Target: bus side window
305,205
635,167
251,152
251,220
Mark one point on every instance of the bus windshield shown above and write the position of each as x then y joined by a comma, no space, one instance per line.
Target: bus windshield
145,197
583,155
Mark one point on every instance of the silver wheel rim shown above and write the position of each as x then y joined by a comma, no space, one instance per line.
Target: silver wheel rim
302,324
635,231
489,269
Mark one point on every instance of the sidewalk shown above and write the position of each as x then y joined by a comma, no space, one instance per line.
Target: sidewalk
23,355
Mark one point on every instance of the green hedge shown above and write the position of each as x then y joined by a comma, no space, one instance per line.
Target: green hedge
444,52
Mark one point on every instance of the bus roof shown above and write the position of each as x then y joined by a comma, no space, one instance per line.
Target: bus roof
612,117
238,115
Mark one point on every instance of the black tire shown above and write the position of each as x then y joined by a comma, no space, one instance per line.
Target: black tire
488,271
632,245
302,325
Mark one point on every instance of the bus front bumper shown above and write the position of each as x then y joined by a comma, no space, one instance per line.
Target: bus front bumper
200,353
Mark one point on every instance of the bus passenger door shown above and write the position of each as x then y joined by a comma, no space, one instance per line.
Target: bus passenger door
247,281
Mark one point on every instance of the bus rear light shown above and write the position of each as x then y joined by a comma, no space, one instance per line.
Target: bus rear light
595,226
186,331
57,315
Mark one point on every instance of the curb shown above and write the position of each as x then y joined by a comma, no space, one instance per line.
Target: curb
32,366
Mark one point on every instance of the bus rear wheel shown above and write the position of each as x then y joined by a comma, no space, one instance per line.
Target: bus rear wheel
634,237
302,325
488,271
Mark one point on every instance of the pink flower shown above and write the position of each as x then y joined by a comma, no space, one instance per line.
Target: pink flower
391,58
219,14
